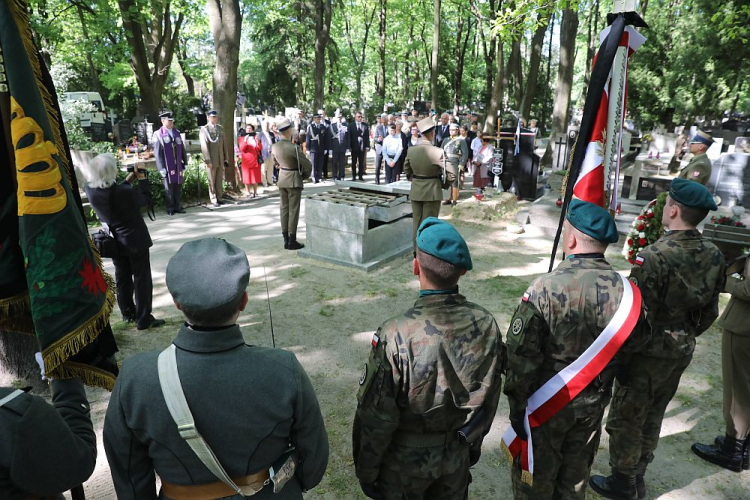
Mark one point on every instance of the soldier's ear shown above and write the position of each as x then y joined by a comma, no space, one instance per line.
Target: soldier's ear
415,267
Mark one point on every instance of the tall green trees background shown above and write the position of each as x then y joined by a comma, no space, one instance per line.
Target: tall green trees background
530,56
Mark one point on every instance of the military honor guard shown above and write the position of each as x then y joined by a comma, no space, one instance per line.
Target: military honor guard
681,276
568,326
46,449
699,167
294,168
457,154
430,389
315,142
359,134
340,144
214,148
731,451
171,160
225,443
425,167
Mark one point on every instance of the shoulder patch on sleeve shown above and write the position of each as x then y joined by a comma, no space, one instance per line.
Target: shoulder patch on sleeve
526,296
375,340
633,280
696,173
363,377
517,326
639,260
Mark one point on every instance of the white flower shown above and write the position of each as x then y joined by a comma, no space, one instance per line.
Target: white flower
642,235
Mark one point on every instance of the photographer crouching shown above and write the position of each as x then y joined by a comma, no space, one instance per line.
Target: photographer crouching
118,207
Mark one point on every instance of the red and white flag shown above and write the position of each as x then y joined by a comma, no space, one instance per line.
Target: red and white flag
571,380
590,184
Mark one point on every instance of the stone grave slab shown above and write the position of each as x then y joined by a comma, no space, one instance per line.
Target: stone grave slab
730,179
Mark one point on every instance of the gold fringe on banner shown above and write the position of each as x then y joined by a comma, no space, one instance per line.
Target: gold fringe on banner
566,178
506,451
91,375
15,314
19,9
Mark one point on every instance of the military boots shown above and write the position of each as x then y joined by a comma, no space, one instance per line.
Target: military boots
726,452
286,240
617,486
293,243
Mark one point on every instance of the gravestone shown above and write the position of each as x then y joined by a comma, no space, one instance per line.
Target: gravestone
742,145
714,152
730,179
522,169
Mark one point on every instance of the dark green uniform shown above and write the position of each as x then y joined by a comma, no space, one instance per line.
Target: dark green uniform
561,315
680,276
45,451
698,169
294,167
423,166
431,370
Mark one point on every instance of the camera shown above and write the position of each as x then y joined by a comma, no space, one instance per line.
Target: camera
133,168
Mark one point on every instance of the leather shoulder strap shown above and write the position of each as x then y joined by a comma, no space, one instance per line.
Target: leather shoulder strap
10,397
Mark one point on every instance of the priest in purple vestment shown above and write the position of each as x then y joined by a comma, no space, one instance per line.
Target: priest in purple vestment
171,160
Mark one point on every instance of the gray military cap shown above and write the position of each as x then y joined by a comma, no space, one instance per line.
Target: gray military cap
207,273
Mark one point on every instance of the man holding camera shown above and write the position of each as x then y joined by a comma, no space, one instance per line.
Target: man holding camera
171,160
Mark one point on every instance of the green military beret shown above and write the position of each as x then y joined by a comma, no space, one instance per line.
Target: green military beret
207,273
592,220
691,194
441,240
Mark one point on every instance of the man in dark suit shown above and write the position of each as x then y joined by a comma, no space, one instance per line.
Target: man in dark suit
255,406
118,206
315,142
442,130
327,144
381,132
359,134
340,144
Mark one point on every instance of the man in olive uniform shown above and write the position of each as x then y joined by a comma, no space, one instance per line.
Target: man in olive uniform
457,154
559,318
293,169
214,148
430,389
250,404
732,451
698,168
681,276
45,449
424,167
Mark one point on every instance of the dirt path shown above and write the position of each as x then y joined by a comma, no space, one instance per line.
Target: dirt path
326,315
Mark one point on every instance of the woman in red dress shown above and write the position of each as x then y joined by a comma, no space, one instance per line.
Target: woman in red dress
251,148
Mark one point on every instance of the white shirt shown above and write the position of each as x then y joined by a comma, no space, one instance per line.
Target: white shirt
392,147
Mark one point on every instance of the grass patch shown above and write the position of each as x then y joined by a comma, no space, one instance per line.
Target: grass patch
298,272
507,286
326,311
390,292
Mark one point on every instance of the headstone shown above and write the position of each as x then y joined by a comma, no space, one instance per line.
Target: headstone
714,152
560,152
521,169
742,145
730,179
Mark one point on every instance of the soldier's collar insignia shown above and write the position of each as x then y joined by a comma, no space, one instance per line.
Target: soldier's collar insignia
639,260
375,340
525,297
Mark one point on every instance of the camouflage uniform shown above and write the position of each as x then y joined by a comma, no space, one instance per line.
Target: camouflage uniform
562,315
431,370
680,276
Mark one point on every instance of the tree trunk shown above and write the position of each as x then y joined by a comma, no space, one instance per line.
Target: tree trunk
535,60
435,53
93,74
152,47
382,32
561,109
543,124
461,46
496,101
322,36
182,59
514,69
226,26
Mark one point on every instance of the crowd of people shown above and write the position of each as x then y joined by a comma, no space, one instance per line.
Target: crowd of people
430,389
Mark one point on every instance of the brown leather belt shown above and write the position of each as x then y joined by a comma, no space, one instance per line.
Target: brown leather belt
215,490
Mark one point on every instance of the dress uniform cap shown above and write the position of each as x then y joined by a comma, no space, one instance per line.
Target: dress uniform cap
454,125
592,220
425,125
207,273
316,115
443,241
692,194
167,115
213,112
702,138
283,123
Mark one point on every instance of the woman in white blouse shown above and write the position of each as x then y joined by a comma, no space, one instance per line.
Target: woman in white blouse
483,163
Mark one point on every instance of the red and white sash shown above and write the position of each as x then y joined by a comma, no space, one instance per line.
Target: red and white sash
569,382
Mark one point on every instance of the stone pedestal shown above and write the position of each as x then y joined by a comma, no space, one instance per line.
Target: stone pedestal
358,228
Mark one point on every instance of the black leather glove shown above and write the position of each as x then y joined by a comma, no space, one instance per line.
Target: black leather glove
516,421
474,457
370,490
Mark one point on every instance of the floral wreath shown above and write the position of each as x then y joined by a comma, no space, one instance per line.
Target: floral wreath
647,228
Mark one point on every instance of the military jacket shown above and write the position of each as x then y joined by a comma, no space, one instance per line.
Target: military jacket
681,276
736,316
430,371
561,314
249,404
456,150
46,450
293,165
423,166
315,139
213,145
698,169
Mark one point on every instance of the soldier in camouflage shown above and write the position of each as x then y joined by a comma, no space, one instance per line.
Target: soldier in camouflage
457,154
430,389
561,314
681,276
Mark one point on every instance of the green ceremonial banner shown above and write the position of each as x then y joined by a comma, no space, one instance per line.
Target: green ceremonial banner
57,276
